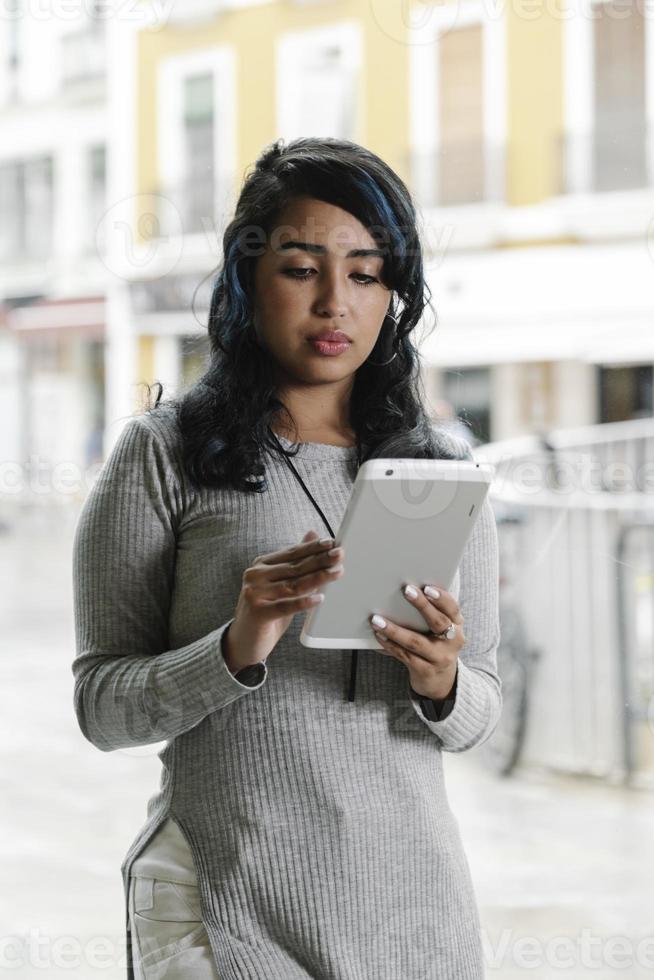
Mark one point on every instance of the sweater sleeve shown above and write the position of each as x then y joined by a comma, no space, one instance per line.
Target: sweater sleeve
477,706
129,688
436,708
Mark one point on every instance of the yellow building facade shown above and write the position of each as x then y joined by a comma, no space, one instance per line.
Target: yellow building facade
495,120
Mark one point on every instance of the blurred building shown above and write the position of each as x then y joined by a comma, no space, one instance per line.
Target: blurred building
527,144
53,150
212,85
526,140
532,158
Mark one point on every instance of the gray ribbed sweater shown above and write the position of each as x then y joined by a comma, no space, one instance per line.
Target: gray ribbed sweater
320,828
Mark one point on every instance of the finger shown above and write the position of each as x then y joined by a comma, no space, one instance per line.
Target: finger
417,665
390,649
311,568
445,602
409,640
298,551
436,620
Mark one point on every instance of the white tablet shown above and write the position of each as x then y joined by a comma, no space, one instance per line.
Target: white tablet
407,520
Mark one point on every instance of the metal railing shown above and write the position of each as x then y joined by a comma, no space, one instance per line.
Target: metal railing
459,173
191,206
581,569
615,456
610,158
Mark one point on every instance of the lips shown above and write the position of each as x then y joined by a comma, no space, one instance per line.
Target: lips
329,348
332,337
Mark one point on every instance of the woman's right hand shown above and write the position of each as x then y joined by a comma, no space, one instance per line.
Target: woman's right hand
275,587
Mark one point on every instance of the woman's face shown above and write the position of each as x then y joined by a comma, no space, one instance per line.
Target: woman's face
298,292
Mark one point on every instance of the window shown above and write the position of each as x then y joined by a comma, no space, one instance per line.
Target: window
13,9
619,146
319,71
12,208
197,104
461,150
47,354
325,93
195,358
625,392
98,13
38,215
469,392
26,205
96,190
608,98
199,165
458,105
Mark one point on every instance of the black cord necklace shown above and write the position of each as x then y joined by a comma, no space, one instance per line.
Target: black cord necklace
354,653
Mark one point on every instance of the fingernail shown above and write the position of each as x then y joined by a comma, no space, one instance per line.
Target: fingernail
432,593
411,592
378,621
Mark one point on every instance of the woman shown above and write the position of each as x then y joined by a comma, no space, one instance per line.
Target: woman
302,827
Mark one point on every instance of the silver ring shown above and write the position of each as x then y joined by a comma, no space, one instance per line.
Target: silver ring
447,634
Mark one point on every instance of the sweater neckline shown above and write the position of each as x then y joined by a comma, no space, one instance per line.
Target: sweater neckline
319,450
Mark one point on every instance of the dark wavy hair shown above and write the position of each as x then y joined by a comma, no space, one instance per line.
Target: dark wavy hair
224,417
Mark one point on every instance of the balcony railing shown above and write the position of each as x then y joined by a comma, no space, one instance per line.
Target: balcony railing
611,158
612,457
459,173
190,207
83,57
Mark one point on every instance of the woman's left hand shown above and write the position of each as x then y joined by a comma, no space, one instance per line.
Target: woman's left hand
431,662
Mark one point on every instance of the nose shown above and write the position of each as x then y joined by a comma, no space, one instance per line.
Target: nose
331,300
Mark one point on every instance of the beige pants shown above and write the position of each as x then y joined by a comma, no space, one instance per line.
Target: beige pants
169,939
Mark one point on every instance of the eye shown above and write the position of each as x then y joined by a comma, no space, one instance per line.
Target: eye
297,274
294,273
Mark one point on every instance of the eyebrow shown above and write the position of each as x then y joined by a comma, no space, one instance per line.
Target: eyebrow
321,250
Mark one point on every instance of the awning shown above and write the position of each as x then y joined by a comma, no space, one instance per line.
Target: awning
80,317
